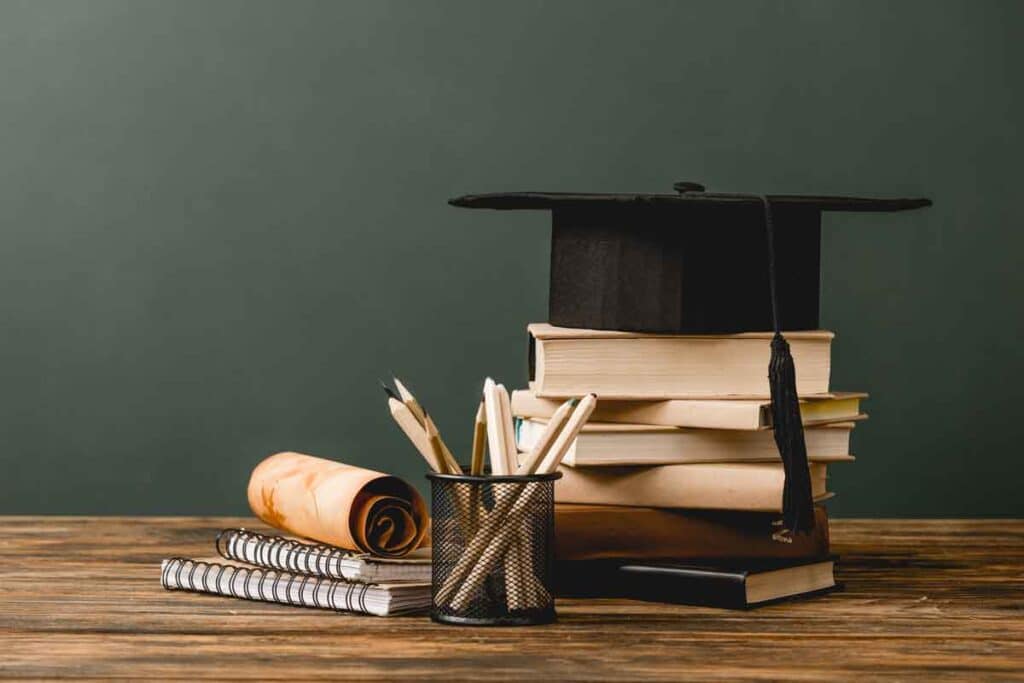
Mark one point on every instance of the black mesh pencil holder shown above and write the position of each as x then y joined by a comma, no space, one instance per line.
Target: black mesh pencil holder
493,545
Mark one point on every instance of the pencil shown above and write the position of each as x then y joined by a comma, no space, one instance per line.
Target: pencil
536,455
495,431
434,439
452,465
437,444
410,400
411,426
485,550
515,561
511,453
568,434
388,391
476,466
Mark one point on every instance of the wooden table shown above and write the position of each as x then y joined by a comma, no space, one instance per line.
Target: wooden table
924,599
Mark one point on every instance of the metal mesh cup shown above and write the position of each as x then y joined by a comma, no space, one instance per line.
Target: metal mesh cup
493,543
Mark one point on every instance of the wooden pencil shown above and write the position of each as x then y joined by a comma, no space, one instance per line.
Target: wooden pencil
511,452
484,552
438,446
515,560
495,431
476,466
568,434
433,438
414,431
532,460
452,465
410,400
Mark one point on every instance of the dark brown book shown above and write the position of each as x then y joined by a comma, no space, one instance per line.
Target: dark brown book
592,532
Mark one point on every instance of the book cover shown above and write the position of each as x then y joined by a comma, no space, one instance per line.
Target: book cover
734,584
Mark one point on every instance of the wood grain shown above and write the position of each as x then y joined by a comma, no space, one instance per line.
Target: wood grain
935,599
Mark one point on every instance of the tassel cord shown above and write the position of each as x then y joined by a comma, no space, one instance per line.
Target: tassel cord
787,424
769,229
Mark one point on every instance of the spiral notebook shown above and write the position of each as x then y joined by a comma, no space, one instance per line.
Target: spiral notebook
236,580
316,559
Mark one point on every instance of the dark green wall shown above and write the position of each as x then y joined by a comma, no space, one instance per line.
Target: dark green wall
221,222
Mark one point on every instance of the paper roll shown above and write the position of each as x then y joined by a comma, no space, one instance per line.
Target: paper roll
345,506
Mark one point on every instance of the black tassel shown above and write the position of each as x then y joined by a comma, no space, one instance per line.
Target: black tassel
797,501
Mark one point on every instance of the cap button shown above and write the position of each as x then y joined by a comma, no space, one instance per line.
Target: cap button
683,187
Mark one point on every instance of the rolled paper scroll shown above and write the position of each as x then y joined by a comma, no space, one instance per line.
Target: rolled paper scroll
345,506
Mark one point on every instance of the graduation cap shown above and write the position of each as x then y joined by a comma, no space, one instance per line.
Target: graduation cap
696,262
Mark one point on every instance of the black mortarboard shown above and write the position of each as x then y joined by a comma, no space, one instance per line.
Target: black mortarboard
696,262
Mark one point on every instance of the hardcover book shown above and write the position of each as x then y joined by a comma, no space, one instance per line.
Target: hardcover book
630,365
755,487
594,532
750,414
738,584
604,444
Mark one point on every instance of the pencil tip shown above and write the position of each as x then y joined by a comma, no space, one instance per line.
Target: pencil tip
387,389
403,390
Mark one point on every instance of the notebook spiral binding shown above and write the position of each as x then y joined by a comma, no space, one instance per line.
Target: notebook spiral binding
283,553
255,583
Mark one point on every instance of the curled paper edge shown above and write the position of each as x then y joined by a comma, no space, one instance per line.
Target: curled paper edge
331,502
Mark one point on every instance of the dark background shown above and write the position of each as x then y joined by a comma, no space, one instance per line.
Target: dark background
221,222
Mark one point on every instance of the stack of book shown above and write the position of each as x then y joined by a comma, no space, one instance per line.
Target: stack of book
682,419
678,475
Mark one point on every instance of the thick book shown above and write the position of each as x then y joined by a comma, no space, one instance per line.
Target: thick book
602,532
629,365
236,580
606,444
318,559
738,584
701,413
755,487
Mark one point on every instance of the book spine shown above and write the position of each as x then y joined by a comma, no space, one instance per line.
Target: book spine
707,414
593,532
598,579
684,587
750,487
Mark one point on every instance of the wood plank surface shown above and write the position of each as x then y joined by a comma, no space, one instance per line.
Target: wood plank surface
924,599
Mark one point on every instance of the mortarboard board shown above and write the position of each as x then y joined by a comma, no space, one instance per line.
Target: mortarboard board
696,262
689,263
